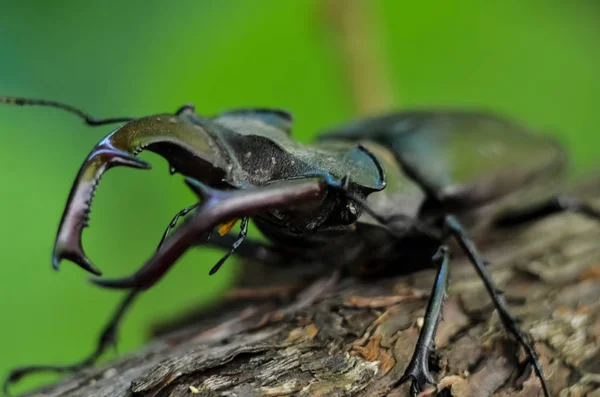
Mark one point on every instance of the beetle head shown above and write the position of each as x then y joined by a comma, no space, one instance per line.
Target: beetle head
263,152
242,149
350,174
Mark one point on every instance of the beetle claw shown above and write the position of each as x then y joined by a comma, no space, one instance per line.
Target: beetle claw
117,283
203,191
127,159
74,255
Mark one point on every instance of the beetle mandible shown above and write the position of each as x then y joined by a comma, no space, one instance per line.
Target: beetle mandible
436,175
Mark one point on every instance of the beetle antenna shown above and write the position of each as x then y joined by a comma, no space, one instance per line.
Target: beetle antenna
89,120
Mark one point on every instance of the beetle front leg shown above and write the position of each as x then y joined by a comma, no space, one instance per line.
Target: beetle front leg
174,221
251,249
418,368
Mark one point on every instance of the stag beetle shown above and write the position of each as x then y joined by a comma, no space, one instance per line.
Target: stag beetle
392,187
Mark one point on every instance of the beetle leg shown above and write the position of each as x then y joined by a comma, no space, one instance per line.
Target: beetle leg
174,221
418,368
234,246
217,207
555,205
108,338
453,227
567,203
253,250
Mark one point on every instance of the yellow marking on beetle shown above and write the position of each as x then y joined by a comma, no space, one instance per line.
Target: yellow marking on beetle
224,228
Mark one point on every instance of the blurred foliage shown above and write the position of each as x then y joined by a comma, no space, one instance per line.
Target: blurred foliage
537,61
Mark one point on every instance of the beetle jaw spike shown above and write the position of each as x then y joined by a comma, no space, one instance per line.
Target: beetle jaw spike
203,191
76,256
106,153
128,160
123,283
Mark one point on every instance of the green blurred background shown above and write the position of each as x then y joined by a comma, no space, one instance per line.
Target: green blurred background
536,60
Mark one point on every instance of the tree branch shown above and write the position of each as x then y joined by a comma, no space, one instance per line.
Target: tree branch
363,61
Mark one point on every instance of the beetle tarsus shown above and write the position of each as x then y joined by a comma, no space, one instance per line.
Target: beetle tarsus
18,373
418,372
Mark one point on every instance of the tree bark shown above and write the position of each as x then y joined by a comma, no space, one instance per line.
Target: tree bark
358,339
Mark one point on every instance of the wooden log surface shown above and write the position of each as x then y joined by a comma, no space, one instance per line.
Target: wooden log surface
358,339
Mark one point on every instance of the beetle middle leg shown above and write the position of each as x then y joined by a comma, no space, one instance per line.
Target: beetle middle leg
418,368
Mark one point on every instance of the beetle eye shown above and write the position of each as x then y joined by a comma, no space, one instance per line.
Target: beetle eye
351,207
349,214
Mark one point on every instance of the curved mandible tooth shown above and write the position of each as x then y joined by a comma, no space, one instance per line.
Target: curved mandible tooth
185,142
75,216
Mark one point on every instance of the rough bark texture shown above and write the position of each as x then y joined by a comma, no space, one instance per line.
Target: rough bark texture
357,340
